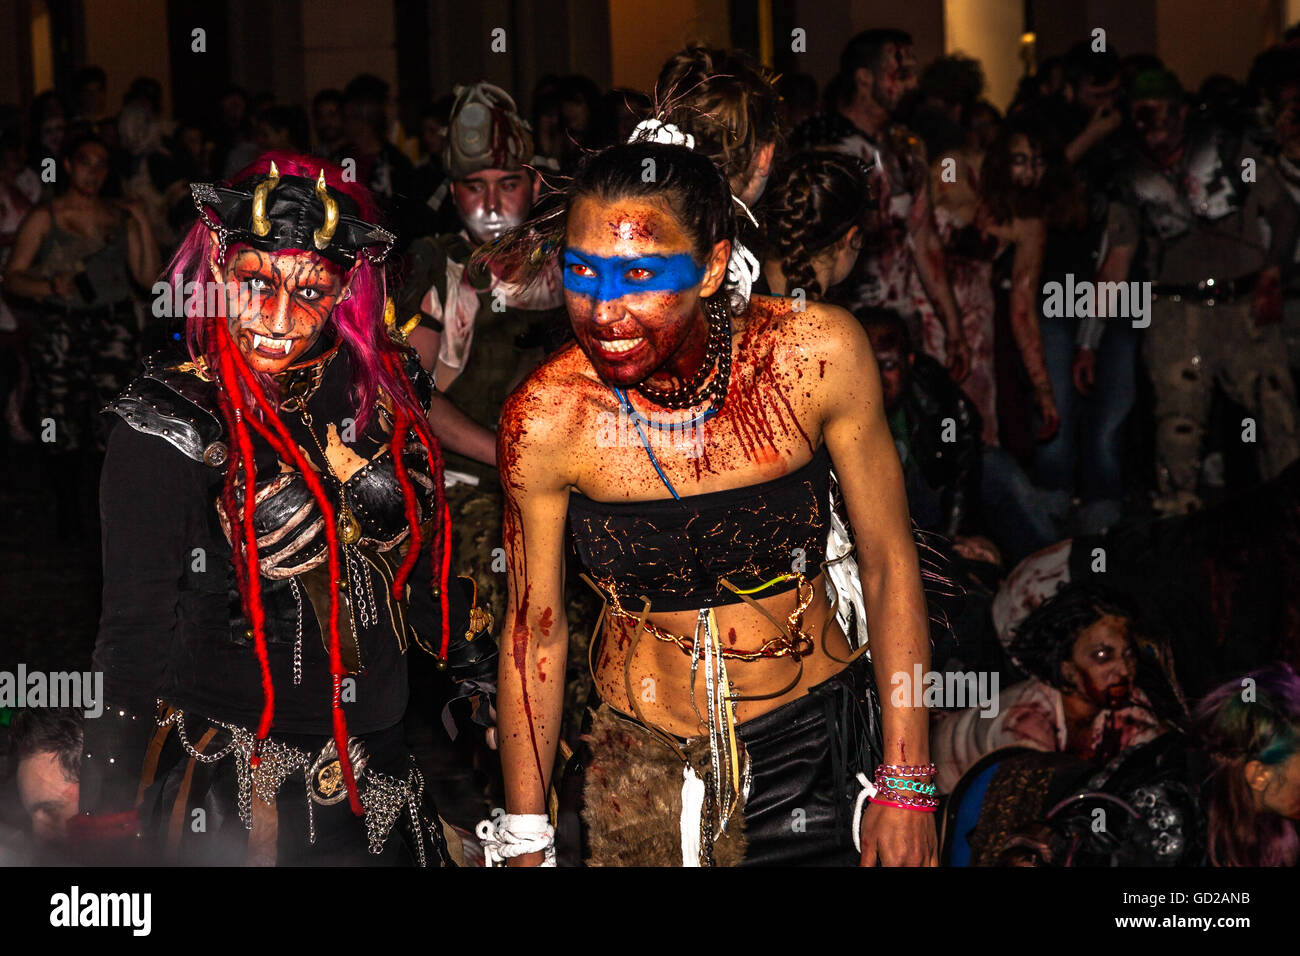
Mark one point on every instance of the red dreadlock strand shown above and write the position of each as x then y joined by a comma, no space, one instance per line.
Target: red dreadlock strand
337,670
440,546
282,442
232,472
247,553
397,446
444,575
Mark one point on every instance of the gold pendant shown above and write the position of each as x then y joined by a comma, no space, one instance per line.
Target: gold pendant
349,530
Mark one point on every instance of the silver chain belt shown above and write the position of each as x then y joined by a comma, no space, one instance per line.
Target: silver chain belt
382,797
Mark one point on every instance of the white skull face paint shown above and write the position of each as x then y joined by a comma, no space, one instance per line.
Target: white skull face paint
492,201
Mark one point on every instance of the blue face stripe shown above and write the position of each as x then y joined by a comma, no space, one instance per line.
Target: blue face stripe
610,280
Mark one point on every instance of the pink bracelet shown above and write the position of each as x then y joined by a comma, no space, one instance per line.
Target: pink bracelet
908,770
901,806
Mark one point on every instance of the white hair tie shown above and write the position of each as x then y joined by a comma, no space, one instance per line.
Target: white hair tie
657,131
742,269
741,203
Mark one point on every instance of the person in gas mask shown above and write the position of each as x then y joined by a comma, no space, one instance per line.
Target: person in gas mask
479,334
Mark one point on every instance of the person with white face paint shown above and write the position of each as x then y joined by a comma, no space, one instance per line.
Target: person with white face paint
488,155
480,335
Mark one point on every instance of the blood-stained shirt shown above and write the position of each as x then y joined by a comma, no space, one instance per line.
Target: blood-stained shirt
885,274
1029,714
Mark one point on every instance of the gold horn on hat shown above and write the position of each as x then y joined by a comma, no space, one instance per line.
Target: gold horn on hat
262,225
325,233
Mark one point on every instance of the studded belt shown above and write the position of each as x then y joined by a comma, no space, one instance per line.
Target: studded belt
1220,289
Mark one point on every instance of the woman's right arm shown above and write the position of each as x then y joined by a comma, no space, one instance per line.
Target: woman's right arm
459,433
534,636
19,279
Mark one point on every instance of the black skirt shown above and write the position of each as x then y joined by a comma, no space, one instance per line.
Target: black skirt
806,756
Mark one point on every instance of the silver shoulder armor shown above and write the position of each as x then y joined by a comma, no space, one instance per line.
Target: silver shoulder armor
179,407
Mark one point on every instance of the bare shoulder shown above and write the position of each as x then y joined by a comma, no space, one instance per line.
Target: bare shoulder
541,415
817,330
39,218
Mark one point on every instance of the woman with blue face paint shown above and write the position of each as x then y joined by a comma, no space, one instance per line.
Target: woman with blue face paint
686,440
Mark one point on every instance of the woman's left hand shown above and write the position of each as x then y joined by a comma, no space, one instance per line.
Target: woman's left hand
892,836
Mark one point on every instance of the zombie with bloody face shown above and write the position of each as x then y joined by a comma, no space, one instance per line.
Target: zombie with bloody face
478,332
991,217
1216,242
906,270
270,642
689,441
1082,697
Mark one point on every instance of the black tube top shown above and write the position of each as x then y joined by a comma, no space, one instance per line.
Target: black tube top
676,552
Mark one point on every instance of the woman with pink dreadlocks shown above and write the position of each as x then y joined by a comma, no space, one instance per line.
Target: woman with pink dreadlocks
254,658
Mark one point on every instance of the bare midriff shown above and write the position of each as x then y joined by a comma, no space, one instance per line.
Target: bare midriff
659,675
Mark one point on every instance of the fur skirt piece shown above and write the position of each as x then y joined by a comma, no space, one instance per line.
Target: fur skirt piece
632,797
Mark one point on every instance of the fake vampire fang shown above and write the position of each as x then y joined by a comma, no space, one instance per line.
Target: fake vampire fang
272,347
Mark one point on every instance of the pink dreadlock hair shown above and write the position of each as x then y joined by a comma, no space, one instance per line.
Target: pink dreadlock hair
249,400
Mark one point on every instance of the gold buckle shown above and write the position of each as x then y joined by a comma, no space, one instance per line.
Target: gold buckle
480,620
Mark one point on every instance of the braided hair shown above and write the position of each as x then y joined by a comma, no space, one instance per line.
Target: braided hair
819,197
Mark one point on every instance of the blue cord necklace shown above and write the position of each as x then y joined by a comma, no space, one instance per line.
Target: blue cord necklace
717,390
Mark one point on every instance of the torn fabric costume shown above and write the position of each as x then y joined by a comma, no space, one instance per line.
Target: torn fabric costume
1208,236
1031,714
885,275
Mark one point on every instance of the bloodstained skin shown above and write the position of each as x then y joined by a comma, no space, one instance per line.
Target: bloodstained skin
519,648
512,529
752,410
731,636
635,228
545,622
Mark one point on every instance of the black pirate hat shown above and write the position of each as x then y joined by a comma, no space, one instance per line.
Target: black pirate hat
274,212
